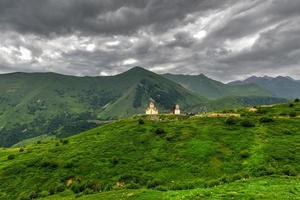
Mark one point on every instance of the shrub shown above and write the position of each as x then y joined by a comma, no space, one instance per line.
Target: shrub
49,164
10,157
293,114
60,188
247,123
115,160
266,120
244,154
160,131
231,121
182,186
88,191
65,142
291,105
161,188
297,100
212,183
133,185
289,171
141,121
75,187
154,183
21,150
287,132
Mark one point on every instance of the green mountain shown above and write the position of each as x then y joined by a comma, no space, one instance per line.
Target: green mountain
255,156
47,103
280,86
214,89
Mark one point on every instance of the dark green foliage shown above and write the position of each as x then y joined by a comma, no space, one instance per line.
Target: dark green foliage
141,121
160,131
65,141
21,149
266,120
244,154
56,188
247,123
48,164
154,183
297,100
293,114
291,105
231,120
115,160
289,170
11,157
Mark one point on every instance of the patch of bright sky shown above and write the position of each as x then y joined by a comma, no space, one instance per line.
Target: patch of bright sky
129,61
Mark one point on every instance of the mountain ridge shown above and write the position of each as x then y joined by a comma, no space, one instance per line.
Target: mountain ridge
280,86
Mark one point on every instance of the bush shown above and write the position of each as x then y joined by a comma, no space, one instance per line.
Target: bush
133,185
297,100
154,183
160,131
247,123
212,183
65,142
287,132
75,187
244,154
289,171
161,188
49,164
266,120
56,188
10,157
21,150
291,105
293,114
141,121
115,160
231,120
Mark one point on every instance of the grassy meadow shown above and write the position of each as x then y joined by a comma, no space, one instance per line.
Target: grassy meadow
255,156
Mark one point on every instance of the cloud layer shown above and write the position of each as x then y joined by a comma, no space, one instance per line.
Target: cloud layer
224,39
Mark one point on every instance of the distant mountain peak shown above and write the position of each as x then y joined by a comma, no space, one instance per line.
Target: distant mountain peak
138,69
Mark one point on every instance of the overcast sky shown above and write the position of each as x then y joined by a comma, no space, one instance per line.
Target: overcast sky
224,39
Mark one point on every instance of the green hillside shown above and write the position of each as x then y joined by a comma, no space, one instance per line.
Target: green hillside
214,89
47,103
168,157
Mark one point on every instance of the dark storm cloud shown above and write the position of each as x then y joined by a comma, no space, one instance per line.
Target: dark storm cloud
95,16
224,39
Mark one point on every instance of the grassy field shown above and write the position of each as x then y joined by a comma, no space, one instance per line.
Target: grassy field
168,157
256,188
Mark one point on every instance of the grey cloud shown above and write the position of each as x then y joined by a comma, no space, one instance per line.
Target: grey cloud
51,17
90,37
